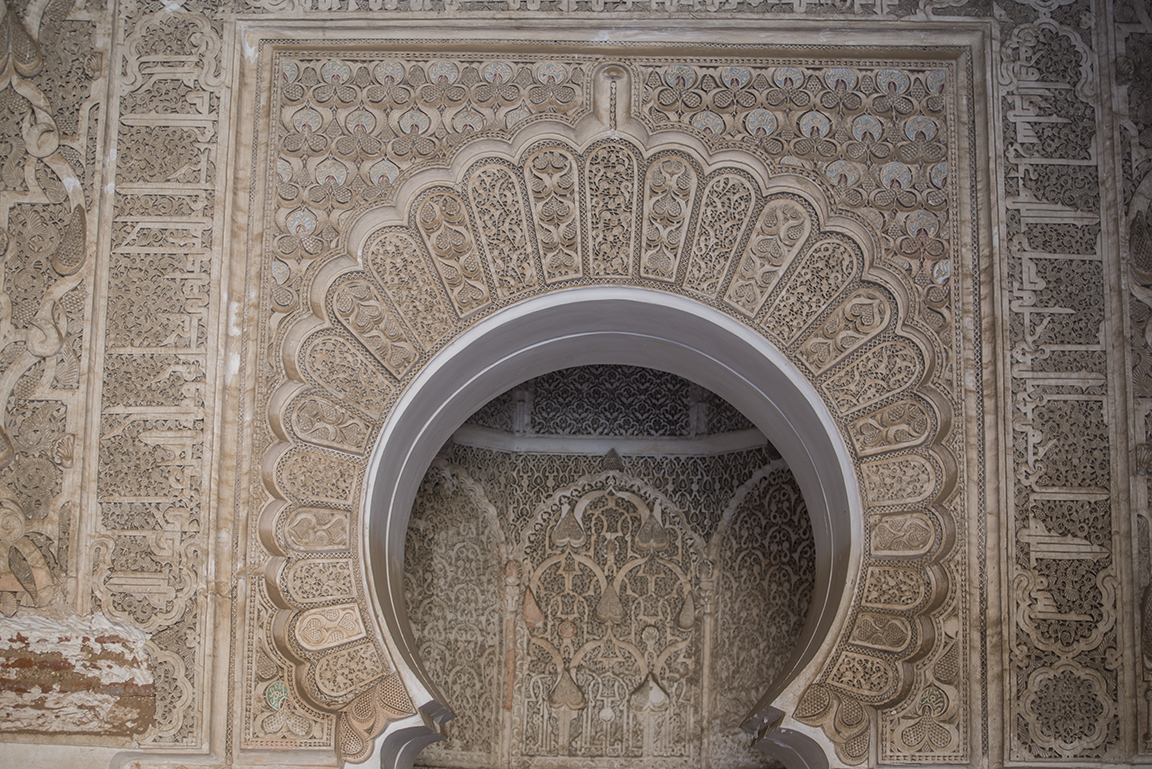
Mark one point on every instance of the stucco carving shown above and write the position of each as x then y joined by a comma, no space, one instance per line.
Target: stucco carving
116,121
593,617
854,304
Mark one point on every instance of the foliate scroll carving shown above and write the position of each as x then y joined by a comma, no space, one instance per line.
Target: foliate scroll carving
761,603
671,189
443,222
889,587
611,400
49,73
726,204
611,182
611,572
18,48
899,480
348,376
888,369
322,421
881,632
864,676
480,618
781,229
345,671
840,713
317,580
902,424
500,217
1067,705
458,595
398,264
280,716
903,535
553,181
316,528
860,317
930,719
814,284
365,312
317,477
329,626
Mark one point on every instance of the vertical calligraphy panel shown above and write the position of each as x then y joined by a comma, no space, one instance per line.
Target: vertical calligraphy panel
153,521
1064,692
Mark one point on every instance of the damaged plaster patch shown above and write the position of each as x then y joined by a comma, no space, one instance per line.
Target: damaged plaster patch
74,674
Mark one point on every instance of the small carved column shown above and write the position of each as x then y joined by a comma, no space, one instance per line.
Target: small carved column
512,604
708,631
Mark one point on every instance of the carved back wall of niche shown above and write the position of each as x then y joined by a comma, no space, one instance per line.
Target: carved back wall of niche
537,592
610,400
831,225
581,611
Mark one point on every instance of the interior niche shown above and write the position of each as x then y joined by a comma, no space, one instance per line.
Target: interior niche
609,563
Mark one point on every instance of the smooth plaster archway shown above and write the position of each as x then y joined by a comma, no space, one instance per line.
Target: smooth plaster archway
617,325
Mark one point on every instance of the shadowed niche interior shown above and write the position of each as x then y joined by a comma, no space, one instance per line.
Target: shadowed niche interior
606,562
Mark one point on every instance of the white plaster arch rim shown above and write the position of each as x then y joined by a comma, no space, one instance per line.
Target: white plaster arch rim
618,325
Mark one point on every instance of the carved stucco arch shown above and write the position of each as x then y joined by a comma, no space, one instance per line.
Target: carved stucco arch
449,297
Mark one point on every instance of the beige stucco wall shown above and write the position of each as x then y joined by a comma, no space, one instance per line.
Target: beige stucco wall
173,251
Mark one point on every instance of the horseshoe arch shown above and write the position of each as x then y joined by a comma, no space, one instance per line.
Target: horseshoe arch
528,257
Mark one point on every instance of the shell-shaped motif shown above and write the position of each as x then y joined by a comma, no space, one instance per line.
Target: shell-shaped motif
813,124
920,128
443,72
383,170
788,77
496,72
415,121
895,175
331,170
893,80
842,172
387,72
867,128
307,118
551,72
936,80
680,75
360,120
840,77
335,72
708,122
735,77
761,122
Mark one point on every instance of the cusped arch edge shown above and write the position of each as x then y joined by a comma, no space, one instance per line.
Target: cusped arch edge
397,215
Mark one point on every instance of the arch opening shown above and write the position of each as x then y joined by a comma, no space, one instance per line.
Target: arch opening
606,562
628,326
